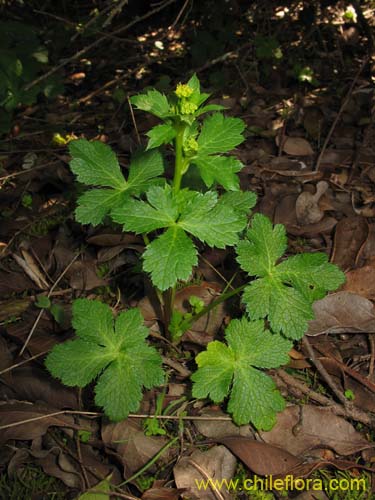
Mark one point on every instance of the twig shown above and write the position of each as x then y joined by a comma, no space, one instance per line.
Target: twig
134,122
338,116
349,411
114,12
323,372
10,368
204,474
97,42
131,415
36,322
222,58
22,172
178,17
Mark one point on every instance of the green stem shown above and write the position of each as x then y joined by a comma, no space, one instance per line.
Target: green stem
216,302
179,170
179,159
150,462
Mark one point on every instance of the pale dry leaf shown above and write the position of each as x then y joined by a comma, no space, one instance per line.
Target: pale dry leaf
132,446
296,146
261,458
299,430
307,205
361,281
217,463
342,312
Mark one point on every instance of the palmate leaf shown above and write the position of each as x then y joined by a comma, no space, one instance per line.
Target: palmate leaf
171,256
220,169
219,134
95,164
153,101
283,292
114,351
232,370
161,134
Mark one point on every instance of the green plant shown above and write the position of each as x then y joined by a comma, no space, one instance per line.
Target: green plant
173,221
57,311
22,57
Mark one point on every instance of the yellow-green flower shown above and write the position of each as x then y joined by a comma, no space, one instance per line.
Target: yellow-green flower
183,90
188,108
191,146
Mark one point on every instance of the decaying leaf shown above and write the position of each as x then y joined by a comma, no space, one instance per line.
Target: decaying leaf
217,463
261,458
296,146
26,421
299,430
342,312
350,235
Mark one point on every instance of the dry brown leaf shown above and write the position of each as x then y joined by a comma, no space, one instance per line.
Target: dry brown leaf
159,491
299,430
33,384
350,235
133,448
296,146
217,463
38,419
342,312
261,458
83,275
361,281
216,429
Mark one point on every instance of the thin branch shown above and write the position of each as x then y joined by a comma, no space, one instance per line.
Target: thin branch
36,322
341,110
97,42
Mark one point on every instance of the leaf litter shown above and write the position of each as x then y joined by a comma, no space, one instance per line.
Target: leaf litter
286,181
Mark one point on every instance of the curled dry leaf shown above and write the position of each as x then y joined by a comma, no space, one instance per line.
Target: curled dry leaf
296,146
307,205
299,430
261,458
350,235
216,463
342,312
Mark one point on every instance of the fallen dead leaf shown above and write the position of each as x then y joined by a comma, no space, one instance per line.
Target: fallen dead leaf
296,146
159,491
342,312
217,463
19,420
299,430
132,447
215,429
350,235
261,458
361,281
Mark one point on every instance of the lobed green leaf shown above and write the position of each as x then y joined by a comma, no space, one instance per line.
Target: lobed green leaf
231,370
114,352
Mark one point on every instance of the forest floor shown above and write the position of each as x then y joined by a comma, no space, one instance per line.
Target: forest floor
303,81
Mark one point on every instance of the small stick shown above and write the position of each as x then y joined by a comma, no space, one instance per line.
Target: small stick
323,372
341,110
347,411
134,122
97,42
36,322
